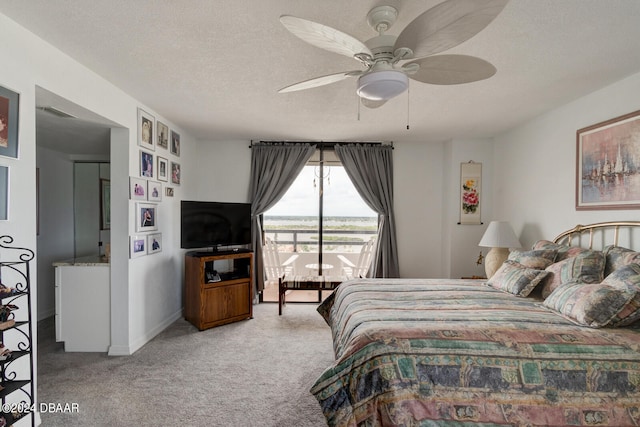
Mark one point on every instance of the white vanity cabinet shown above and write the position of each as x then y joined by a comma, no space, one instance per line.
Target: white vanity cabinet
83,304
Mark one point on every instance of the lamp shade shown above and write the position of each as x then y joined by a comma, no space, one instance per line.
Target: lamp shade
499,234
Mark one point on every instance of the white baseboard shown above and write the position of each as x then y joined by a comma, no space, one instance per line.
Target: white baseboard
124,350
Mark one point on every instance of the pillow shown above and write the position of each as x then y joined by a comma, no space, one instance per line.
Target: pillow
593,305
586,266
626,277
616,257
563,251
516,279
539,259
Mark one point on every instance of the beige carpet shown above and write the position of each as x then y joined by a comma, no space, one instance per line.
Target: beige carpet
256,372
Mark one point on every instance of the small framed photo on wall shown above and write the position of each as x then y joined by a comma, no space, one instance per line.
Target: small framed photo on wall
137,188
175,173
175,143
8,123
146,126
154,243
154,189
146,217
146,164
137,246
163,169
163,135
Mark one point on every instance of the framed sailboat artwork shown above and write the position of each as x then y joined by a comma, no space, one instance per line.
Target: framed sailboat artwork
608,164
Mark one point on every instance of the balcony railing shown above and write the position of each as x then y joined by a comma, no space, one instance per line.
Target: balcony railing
304,243
300,240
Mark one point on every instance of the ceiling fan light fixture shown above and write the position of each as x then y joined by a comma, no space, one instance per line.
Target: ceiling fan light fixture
382,85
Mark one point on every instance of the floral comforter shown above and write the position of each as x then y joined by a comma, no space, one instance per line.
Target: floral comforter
438,352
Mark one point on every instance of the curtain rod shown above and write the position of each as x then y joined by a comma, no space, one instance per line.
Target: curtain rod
325,144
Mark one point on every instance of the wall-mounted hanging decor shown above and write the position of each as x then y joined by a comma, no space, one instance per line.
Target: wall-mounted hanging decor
137,188
470,189
163,169
146,217
137,246
146,164
146,126
175,173
105,204
154,191
608,164
154,243
163,135
175,143
8,123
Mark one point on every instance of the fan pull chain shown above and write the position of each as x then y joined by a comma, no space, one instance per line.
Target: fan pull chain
358,102
408,92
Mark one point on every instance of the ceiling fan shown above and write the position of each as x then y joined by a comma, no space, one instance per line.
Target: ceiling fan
386,58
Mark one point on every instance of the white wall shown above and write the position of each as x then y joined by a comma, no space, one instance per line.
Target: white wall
55,241
536,165
224,170
418,202
461,248
146,292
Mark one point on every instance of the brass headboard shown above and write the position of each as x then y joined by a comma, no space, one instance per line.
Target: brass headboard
578,231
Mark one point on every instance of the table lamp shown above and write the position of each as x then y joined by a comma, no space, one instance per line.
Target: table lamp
499,237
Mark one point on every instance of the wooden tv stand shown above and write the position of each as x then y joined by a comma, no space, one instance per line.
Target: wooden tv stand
212,301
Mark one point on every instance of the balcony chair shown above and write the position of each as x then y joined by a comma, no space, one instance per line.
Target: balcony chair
349,270
273,267
360,269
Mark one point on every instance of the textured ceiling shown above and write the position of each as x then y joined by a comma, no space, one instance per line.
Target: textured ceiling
213,67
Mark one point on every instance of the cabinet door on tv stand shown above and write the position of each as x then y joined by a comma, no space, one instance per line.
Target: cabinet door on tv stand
225,304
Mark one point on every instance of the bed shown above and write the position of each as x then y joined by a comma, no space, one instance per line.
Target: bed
552,339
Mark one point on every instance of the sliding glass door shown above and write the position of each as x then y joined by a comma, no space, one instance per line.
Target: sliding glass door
321,217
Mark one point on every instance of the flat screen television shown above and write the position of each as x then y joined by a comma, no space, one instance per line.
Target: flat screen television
214,224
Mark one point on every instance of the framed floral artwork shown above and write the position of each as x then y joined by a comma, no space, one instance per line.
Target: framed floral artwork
8,123
470,191
146,126
608,164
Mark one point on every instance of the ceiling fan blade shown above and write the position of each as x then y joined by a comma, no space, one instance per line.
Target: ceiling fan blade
451,69
447,25
369,103
324,37
319,81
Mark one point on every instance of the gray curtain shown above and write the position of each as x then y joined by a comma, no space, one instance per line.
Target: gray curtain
370,168
274,167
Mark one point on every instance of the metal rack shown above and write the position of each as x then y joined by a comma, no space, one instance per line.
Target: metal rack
16,332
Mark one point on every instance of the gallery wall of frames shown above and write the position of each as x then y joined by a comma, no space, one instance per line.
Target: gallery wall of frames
159,172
